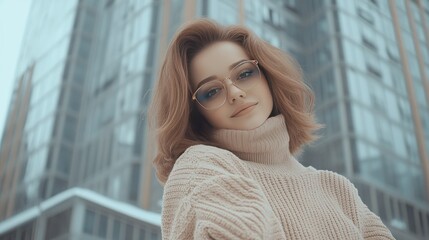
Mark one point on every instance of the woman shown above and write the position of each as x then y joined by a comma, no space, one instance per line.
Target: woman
231,112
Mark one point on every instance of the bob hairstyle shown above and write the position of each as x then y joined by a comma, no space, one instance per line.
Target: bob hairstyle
177,122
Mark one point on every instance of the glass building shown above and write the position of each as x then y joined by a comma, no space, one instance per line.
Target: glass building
78,112
369,73
36,147
82,214
77,117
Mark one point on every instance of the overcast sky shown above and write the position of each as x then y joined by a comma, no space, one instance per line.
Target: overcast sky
13,17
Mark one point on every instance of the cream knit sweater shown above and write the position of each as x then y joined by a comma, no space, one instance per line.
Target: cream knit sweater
258,190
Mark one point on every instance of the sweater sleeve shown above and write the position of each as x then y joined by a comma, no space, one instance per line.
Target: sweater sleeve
211,201
371,225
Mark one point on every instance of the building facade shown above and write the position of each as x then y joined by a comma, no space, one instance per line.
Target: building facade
369,76
77,214
78,113
35,150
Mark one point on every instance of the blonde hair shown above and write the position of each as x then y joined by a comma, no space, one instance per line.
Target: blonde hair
177,122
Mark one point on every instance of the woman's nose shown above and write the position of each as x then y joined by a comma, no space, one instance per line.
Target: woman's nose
234,92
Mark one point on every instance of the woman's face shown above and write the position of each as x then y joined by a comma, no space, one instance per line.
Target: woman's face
242,109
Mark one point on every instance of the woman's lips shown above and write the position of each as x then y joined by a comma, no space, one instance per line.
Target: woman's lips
244,110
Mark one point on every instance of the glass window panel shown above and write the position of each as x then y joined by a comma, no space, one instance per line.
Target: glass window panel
372,167
27,232
349,52
154,236
353,85
364,90
365,15
64,159
391,105
127,134
401,177
115,186
381,205
59,185
348,6
357,120
398,141
70,128
362,150
129,231
417,182
102,226
89,222
411,218
134,182
58,225
369,38
88,22
371,131
421,222
390,170
398,220
411,144
116,230
36,165
10,235
75,99
156,195
142,234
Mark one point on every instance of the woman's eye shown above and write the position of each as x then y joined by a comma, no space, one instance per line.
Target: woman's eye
212,92
245,74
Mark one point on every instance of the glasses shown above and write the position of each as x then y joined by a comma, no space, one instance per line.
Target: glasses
212,95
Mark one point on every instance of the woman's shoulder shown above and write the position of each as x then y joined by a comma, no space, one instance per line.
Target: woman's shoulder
334,176
205,157
207,153
204,150
336,183
201,163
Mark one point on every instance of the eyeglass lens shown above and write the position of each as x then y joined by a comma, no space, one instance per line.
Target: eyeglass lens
213,94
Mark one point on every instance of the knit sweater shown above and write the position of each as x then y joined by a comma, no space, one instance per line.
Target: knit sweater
257,190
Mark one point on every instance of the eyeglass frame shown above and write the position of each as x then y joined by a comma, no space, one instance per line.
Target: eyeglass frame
194,98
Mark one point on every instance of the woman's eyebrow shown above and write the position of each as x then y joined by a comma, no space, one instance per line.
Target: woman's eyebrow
208,79
213,77
236,63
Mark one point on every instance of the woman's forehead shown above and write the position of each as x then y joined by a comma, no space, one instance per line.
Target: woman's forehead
216,59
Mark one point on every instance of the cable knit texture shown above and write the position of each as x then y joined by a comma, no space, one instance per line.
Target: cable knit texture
257,190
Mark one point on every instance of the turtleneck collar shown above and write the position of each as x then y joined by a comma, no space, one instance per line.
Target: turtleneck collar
267,144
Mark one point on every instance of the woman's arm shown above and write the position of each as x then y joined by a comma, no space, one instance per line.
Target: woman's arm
371,225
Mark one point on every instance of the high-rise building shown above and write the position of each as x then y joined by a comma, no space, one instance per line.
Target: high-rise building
78,113
367,62
77,118
30,147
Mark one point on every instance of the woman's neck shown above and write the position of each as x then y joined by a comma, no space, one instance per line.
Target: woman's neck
266,144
